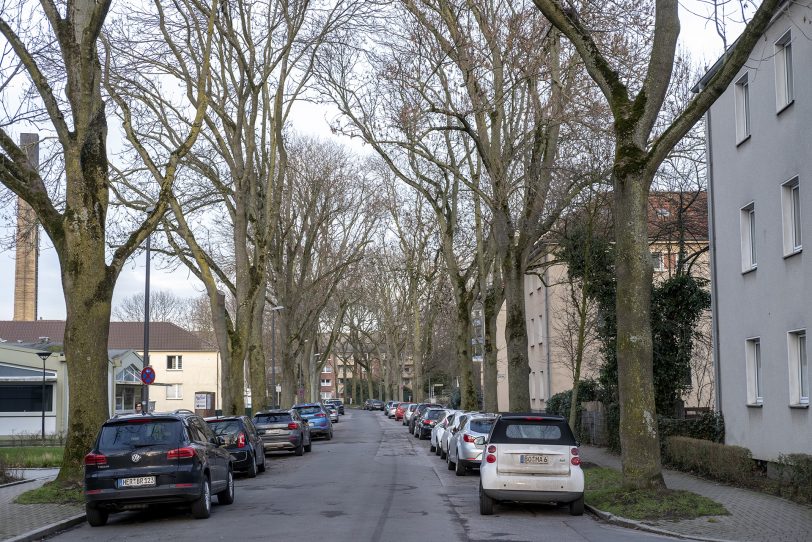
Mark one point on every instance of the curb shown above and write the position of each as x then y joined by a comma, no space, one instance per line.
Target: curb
640,526
18,482
48,530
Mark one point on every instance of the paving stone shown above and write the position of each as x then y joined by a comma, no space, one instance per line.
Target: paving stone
18,519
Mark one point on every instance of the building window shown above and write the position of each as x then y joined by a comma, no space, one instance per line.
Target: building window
755,385
26,398
742,93
174,363
326,382
748,235
798,368
663,213
327,369
783,72
657,261
174,391
791,216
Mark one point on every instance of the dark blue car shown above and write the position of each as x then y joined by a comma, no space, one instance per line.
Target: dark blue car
317,418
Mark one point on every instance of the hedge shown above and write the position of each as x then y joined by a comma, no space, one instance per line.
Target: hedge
711,459
795,477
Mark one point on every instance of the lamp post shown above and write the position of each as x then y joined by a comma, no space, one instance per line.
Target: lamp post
43,356
144,387
273,354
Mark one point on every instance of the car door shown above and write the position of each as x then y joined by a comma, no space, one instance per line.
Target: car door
219,458
253,436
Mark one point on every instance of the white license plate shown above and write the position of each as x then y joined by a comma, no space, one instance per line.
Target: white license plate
535,459
141,481
276,431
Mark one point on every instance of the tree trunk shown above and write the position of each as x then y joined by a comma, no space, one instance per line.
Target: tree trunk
88,291
258,366
579,353
234,379
417,343
490,312
468,390
516,333
638,426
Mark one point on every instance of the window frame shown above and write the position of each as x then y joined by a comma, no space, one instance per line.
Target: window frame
178,362
657,263
784,76
798,362
791,216
755,372
749,250
741,92
178,394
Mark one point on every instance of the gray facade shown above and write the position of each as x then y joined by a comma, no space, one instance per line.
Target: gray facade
761,213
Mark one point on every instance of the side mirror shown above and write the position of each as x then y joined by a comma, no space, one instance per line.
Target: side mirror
479,441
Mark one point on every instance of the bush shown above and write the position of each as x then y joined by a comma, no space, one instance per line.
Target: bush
711,459
560,402
709,426
795,477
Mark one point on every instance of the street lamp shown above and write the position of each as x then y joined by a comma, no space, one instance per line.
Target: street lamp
144,387
43,356
273,355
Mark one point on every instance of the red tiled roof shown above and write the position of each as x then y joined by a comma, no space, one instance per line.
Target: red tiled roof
163,336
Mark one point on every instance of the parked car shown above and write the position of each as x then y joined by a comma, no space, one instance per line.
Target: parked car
242,441
376,404
439,429
421,407
408,413
389,409
283,430
453,427
333,412
139,460
427,422
463,451
400,410
338,403
531,458
318,419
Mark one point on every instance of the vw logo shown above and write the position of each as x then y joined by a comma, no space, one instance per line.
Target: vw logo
135,458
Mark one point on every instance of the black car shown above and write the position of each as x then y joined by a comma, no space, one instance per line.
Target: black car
427,422
338,403
418,413
141,460
375,404
243,441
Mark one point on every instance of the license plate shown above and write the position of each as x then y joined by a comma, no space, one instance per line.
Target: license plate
141,481
276,431
535,459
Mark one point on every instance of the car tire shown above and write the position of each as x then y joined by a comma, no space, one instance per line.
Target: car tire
433,448
329,435
201,508
96,517
459,468
261,467
252,470
449,464
443,455
438,451
227,495
299,450
308,447
485,503
577,507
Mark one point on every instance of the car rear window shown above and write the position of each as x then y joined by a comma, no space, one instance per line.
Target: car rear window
130,434
308,410
226,427
532,432
482,426
412,408
434,414
273,418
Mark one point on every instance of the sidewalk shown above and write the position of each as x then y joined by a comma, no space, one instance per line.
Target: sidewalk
754,517
17,520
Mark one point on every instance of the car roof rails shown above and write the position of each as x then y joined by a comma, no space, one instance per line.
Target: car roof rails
182,411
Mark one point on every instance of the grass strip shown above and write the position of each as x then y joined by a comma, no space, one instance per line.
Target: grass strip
604,490
53,493
26,457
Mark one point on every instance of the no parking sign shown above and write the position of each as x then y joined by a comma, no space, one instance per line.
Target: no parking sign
148,375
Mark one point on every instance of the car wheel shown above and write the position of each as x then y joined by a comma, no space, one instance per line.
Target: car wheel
227,495
201,508
96,517
577,507
460,469
262,465
252,470
450,464
438,451
308,447
329,435
443,455
299,451
485,503
432,448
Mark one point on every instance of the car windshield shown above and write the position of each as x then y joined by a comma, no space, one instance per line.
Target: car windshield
532,432
225,428
481,426
412,407
434,414
138,433
273,418
307,410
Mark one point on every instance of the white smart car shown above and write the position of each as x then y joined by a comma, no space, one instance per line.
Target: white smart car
531,458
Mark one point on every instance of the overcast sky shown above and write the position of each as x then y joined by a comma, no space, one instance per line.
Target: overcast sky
697,36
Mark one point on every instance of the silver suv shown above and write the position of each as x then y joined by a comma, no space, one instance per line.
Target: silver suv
283,430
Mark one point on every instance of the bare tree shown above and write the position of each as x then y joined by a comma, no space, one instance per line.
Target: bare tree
164,306
57,51
636,101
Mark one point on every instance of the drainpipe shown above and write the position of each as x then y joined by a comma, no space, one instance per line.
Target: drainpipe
547,333
717,373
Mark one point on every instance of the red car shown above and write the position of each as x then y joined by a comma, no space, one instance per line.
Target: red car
400,410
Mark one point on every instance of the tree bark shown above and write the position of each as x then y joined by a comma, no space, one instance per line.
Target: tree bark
468,390
490,311
258,366
516,332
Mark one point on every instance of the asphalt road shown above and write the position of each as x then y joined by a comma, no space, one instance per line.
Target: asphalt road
372,482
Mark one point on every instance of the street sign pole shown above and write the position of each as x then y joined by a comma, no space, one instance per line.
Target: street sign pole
145,389
43,356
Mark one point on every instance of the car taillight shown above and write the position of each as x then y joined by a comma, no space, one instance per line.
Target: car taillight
490,458
95,459
320,415
468,438
293,425
574,451
575,460
241,440
426,422
491,449
181,453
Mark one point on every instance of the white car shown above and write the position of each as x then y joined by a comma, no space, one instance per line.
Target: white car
439,429
531,458
407,415
451,429
466,447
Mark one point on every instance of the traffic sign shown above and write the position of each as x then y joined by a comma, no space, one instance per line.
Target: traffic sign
148,375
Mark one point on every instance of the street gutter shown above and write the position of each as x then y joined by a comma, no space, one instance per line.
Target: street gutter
640,526
48,530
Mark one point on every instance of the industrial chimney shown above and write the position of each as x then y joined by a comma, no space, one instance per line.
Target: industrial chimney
27,242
